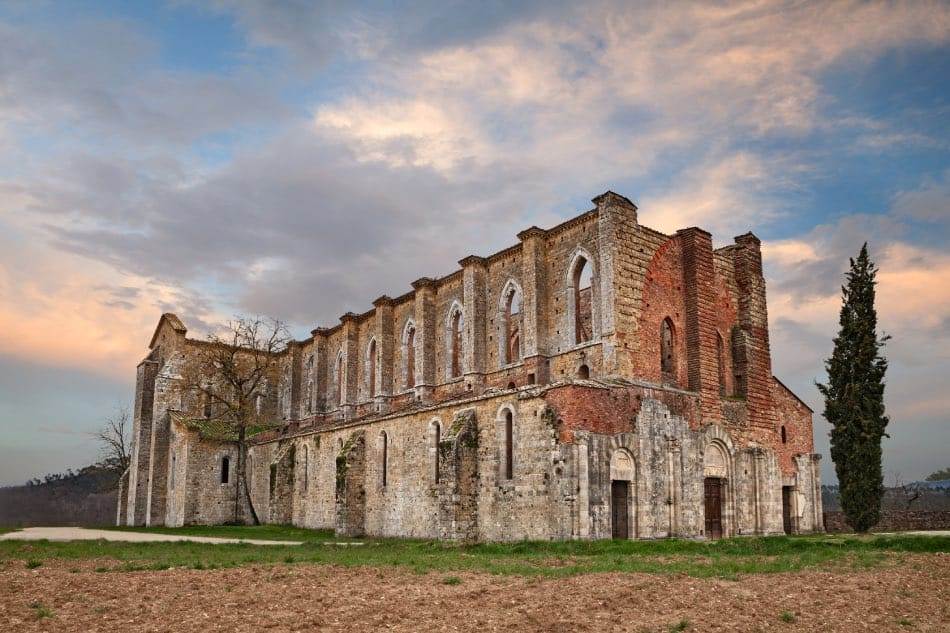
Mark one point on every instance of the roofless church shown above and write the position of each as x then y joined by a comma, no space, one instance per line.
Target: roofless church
596,379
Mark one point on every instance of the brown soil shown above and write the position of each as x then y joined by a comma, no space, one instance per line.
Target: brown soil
912,594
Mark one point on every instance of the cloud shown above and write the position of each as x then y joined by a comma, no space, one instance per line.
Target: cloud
100,84
350,149
913,301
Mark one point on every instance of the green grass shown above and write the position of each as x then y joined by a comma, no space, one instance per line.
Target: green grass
4,530
787,616
682,625
41,611
728,558
262,532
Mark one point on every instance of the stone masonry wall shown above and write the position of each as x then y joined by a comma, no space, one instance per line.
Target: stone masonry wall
894,521
575,405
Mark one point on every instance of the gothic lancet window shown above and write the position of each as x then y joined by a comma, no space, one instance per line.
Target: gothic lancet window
721,361
509,456
340,379
667,359
225,469
455,344
372,368
512,319
384,456
437,432
583,298
310,384
409,352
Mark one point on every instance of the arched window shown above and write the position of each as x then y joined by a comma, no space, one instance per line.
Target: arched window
437,435
259,403
455,344
583,372
340,378
721,361
306,466
409,353
310,384
784,436
667,360
509,457
583,300
206,406
371,379
384,456
512,318
225,469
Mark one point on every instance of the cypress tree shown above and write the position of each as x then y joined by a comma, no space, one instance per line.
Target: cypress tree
854,398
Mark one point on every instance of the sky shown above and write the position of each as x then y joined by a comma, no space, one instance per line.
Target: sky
299,159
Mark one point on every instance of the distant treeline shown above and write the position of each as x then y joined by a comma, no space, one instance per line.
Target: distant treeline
85,497
916,496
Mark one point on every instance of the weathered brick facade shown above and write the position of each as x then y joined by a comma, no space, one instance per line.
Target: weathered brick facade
510,400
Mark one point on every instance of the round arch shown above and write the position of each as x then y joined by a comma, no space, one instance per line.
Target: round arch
719,464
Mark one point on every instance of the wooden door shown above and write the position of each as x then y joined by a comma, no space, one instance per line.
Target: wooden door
787,509
620,511
713,487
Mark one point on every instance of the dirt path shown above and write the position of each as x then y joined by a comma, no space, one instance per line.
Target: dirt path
911,596
87,534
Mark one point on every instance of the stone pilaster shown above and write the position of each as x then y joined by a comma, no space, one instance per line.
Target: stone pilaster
351,360
474,338
321,367
753,356
699,291
616,224
298,408
385,350
425,318
534,286
141,437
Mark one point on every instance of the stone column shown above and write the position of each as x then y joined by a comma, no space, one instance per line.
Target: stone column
385,351
424,315
534,286
475,336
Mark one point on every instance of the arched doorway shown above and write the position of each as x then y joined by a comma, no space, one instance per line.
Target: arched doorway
715,476
623,517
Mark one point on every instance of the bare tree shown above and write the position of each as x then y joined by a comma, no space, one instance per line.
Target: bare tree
229,373
115,445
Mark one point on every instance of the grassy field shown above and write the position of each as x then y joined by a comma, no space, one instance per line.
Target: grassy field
726,558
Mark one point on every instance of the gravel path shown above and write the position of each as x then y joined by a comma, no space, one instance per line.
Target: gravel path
86,534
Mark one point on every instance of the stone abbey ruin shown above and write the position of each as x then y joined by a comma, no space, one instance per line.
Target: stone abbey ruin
597,379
